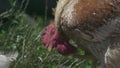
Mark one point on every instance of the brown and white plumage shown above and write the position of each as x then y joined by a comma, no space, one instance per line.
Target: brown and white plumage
95,27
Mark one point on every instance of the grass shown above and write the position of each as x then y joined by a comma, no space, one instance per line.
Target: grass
24,36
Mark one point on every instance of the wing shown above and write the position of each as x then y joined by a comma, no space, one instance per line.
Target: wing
85,16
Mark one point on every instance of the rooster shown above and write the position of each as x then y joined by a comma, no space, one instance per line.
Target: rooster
94,25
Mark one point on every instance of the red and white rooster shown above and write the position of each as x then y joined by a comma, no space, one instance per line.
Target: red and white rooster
94,25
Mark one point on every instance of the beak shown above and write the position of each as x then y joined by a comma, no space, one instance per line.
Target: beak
50,48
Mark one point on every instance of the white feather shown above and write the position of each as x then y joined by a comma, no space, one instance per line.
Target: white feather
6,59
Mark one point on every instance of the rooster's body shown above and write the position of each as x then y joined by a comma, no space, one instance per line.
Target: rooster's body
94,25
